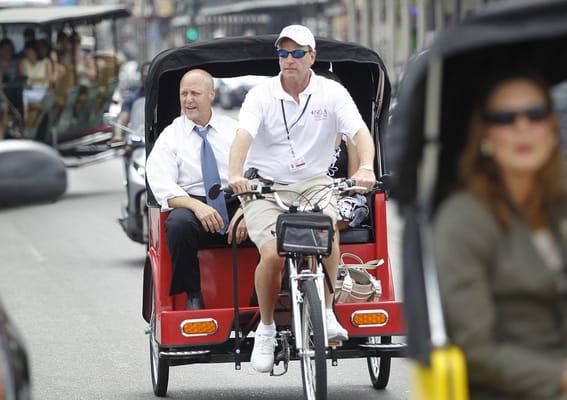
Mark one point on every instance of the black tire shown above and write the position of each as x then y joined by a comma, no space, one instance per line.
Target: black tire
159,366
379,367
314,360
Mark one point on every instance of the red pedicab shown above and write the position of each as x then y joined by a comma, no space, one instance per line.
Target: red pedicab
223,331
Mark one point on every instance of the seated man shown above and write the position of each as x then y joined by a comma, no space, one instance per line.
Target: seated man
191,155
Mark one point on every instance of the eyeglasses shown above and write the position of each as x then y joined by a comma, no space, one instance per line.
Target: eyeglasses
299,53
507,117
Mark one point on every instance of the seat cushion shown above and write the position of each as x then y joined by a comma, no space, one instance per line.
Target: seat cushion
357,235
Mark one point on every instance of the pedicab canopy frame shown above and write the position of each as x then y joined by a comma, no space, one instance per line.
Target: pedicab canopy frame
428,130
53,16
360,69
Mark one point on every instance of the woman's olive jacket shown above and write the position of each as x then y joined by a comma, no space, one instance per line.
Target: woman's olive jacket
503,305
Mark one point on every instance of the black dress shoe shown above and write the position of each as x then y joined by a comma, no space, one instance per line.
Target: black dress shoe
195,302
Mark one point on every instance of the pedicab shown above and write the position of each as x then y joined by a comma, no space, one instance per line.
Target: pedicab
427,136
69,117
223,331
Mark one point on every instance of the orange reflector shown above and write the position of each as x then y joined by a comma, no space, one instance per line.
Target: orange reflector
368,318
199,327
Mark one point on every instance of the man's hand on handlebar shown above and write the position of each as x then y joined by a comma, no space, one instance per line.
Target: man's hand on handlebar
239,184
364,177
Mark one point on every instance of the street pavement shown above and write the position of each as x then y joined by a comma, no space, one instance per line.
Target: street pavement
71,281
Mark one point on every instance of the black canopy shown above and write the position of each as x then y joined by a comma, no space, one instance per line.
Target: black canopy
503,35
358,68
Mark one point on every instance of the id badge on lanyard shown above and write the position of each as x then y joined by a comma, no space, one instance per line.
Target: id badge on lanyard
297,162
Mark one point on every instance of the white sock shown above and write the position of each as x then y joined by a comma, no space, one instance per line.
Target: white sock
266,329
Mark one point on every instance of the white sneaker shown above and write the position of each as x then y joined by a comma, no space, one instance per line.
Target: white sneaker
263,352
334,329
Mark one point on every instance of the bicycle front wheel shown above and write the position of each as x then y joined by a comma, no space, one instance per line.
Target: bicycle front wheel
313,359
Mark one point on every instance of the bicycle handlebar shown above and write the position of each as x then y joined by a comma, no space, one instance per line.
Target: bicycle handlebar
261,187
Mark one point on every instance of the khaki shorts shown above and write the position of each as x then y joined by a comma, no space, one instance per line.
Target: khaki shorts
261,215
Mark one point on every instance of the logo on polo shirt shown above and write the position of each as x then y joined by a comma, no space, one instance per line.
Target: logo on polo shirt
319,115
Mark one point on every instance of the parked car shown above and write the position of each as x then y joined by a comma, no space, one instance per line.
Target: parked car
14,368
232,91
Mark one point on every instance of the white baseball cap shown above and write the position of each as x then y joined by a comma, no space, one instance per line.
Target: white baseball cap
299,34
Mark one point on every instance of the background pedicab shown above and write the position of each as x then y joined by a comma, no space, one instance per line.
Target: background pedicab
427,135
70,116
220,333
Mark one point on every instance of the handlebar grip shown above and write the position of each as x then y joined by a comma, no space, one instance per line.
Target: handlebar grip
216,190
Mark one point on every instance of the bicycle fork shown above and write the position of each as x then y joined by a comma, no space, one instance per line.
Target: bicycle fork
296,277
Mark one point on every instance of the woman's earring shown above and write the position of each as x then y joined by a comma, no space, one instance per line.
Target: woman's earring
486,148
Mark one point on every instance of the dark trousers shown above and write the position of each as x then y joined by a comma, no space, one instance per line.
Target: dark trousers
185,236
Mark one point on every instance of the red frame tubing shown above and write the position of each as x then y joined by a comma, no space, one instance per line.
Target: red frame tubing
387,302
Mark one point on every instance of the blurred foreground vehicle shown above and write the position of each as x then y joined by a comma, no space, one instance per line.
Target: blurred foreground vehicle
429,133
14,369
30,172
560,101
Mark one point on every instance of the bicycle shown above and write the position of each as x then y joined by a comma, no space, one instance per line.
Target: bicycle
304,236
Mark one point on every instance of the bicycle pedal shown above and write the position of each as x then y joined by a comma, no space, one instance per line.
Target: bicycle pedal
280,356
283,372
335,343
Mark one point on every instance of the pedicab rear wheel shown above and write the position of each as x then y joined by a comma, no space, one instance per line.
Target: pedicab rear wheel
159,366
314,359
379,367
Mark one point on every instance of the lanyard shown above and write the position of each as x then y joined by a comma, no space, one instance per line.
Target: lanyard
292,125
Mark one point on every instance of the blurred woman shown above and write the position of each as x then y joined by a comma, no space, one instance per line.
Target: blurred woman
37,72
44,53
10,83
8,63
501,246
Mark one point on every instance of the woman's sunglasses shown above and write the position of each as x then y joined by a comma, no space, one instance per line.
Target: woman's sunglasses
294,53
534,114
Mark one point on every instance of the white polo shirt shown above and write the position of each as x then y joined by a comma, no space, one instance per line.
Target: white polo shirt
173,168
312,126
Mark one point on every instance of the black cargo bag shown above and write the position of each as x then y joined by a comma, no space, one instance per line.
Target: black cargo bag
306,233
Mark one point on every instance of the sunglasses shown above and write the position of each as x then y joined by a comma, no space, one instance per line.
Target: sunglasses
294,53
507,117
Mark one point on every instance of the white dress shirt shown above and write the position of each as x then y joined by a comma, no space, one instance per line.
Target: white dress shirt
173,167
312,134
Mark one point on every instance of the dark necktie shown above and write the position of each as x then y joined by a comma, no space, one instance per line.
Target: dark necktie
211,175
